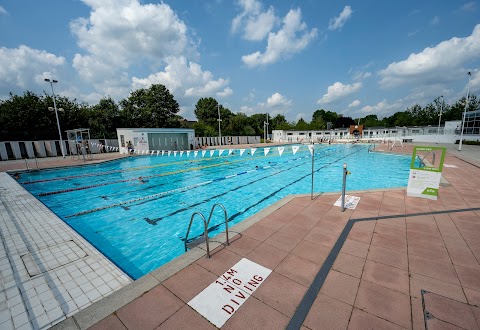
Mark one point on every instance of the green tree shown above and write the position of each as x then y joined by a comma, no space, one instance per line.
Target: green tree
344,122
26,117
203,129
302,125
152,107
318,123
105,118
206,110
370,121
327,116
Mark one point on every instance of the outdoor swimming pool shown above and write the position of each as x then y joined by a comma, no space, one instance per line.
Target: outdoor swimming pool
141,226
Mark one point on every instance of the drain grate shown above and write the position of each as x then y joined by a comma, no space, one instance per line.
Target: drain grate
52,257
443,312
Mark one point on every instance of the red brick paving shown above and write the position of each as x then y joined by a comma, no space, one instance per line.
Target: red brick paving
375,281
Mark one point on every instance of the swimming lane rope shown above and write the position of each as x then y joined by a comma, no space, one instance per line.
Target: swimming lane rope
162,194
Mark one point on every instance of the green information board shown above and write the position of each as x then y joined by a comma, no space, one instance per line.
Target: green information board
426,171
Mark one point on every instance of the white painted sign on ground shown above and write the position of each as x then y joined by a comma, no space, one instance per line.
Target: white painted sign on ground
221,299
351,202
448,165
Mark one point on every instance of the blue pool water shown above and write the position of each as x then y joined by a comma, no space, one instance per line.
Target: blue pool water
141,226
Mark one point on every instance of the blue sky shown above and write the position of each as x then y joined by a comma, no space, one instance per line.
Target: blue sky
282,57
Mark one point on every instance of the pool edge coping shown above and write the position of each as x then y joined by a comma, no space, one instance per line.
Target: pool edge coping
120,298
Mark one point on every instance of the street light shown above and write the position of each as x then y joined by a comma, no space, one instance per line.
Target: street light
265,124
465,111
439,119
53,81
219,120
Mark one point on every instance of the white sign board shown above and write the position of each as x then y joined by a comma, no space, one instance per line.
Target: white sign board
221,299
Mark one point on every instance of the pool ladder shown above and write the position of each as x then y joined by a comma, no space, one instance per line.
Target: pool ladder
205,225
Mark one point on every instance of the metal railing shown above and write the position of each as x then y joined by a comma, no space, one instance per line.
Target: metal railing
428,153
26,164
205,225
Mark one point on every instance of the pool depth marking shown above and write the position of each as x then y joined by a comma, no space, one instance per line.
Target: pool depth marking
221,299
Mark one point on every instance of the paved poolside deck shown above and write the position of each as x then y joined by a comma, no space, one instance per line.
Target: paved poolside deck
368,266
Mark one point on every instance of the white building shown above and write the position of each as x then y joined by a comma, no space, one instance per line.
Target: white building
156,138
305,136
447,134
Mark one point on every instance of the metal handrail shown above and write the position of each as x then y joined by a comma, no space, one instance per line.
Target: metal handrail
205,224
226,218
433,158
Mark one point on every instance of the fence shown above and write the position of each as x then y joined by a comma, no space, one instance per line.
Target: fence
225,140
10,150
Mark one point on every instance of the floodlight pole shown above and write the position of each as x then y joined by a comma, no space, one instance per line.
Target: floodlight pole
266,132
53,81
439,119
465,111
219,121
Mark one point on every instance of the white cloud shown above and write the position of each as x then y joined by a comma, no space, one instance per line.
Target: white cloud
258,28
226,92
361,75
299,116
355,103
254,23
26,68
118,34
3,11
250,97
435,20
338,91
382,108
337,22
469,6
277,100
246,109
185,79
440,63
290,39
274,105
475,82
411,34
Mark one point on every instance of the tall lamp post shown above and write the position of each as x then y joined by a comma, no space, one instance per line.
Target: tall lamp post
266,131
439,119
53,81
219,121
465,111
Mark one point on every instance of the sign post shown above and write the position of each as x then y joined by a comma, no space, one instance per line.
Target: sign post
425,176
